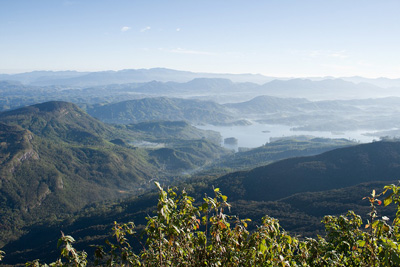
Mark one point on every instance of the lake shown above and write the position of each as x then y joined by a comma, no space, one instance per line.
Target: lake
257,134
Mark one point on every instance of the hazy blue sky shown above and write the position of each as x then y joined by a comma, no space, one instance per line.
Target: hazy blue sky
276,38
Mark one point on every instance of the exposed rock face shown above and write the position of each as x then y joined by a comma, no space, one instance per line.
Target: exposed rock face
59,183
31,154
15,148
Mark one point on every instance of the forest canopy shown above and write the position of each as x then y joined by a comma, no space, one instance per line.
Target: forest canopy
187,233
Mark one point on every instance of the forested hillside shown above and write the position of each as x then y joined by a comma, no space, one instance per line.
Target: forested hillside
56,159
282,190
378,161
150,109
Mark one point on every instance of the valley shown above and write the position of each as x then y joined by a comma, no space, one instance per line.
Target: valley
199,133
81,150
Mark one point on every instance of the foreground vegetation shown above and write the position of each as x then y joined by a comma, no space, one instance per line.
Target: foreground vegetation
187,234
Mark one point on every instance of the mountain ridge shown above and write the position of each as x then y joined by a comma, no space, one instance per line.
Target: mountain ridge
161,108
57,119
70,77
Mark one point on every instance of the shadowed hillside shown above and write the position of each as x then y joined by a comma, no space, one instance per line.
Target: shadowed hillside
379,161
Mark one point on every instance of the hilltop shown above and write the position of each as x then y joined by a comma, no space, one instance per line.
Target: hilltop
58,120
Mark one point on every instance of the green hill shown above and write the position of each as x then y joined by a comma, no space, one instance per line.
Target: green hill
161,108
54,159
187,156
172,130
339,168
282,148
58,120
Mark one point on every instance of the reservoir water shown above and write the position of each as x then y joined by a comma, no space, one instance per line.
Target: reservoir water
257,134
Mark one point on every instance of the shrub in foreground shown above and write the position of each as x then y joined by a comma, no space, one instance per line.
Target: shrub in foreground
185,234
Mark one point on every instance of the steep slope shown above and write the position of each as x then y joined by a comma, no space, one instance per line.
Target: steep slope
15,147
54,160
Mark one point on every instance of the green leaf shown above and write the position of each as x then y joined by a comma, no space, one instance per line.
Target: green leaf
262,248
388,200
361,243
375,223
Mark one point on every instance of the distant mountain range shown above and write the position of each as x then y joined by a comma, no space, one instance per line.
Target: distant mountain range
330,115
221,90
86,79
74,78
322,90
267,104
277,102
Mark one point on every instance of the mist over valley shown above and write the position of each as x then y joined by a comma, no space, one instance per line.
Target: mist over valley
59,133
199,133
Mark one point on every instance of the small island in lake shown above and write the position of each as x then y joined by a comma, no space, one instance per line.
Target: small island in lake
230,141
